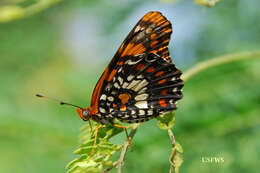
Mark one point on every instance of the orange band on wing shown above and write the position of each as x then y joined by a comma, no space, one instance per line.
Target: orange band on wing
112,74
96,93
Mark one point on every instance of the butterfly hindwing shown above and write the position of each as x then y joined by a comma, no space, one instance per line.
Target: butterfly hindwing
143,87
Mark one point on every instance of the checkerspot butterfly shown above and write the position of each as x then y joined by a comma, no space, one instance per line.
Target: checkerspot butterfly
140,82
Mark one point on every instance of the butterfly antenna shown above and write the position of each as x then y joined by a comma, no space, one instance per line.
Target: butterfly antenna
61,102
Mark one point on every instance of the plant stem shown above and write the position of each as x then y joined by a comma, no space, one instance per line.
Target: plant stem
170,133
224,59
125,147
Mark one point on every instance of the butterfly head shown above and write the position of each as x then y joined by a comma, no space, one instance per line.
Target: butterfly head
83,113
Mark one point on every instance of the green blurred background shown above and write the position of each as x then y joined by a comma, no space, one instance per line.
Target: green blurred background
62,51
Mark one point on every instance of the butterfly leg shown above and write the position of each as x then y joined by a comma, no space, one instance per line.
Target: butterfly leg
129,140
95,138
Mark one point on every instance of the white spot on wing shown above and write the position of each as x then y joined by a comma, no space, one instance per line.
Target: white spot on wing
172,101
103,97
102,110
142,104
173,79
133,83
140,77
113,92
130,77
108,87
125,84
150,112
116,85
126,116
141,112
140,35
140,85
174,89
129,62
120,80
110,98
111,116
142,90
141,97
137,28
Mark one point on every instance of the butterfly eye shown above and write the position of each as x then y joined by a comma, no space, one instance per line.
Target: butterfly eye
85,113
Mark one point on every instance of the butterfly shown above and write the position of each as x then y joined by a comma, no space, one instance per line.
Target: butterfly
140,82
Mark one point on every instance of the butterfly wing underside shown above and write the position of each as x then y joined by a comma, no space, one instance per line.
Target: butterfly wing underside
144,87
140,82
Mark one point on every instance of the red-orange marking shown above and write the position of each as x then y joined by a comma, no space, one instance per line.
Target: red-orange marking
121,48
137,49
139,67
128,48
124,98
153,43
123,108
150,69
153,36
161,81
146,17
112,74
156,19
164,92
165,22
148,30
96,93
149,15
165,41
120,63
131,49
114,105
163,103
159,73
162,48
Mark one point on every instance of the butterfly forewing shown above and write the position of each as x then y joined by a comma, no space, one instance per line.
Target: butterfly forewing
150,35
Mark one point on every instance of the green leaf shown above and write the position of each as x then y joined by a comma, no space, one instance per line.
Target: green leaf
177,162
101,153
178,147
166,121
